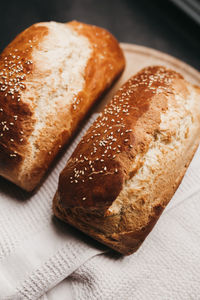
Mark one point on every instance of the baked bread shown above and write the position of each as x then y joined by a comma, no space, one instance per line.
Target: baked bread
132,159
50,75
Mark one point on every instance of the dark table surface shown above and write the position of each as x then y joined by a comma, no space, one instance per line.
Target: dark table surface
157,24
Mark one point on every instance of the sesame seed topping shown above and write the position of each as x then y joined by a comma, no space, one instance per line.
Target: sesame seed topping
15,66
111,132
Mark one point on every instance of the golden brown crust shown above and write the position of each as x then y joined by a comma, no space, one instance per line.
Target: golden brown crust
18,69
105,152
159,126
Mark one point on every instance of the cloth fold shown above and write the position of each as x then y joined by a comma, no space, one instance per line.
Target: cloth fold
43,258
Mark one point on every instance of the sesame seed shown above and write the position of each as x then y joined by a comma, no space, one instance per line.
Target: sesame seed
107,145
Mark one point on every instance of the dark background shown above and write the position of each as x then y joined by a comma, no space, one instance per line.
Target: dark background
154,23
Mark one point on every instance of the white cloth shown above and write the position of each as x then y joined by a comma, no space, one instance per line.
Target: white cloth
43,258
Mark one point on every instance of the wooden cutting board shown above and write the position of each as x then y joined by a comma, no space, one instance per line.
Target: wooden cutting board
138,57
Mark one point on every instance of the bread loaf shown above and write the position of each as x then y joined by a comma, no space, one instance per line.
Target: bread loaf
132,159
50,75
